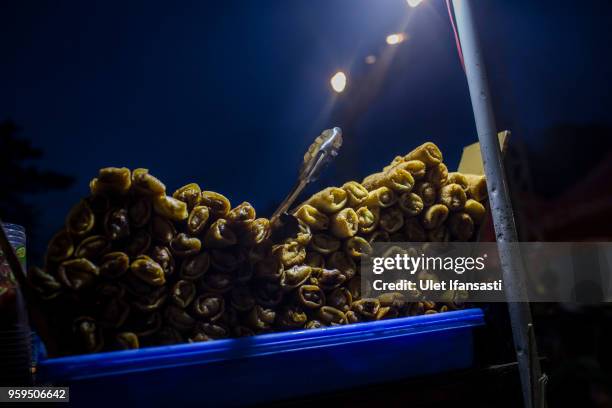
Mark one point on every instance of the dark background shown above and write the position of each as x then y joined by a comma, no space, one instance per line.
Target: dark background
229,94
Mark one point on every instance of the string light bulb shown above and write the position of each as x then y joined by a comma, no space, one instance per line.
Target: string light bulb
338,81
397,38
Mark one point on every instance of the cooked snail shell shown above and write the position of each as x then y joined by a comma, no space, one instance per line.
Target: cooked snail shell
164,258
92,247
428,153
147,270
312,217
218,204
60,247
127,341
461,226
324,243
367,307
219,235
391,220
331,316
183,245
80,219
311,296
292,317
356,194
88,336
329,200
340,298
260,318
162,229
475,210
477,186
178,318
170,208
293,277
357,247
139,243
114,264
427,192
345,223
255,232
43,283
434,216
367,219
411,204
327,279
183,293
151,301
344,263
146,184
198,217
209,307
290,253
241,214
111,180
382,197
77,273
453,196
438,175
140,213
190,194
195,266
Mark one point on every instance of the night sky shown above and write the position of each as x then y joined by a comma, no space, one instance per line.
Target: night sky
230,93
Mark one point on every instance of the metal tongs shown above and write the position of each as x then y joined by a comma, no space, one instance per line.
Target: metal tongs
320,153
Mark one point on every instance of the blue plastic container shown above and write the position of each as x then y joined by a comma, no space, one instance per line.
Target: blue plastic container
270,367
15,334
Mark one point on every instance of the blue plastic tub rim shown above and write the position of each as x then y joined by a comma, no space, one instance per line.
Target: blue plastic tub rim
128,361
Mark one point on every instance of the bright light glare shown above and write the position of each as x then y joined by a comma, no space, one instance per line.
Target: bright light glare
338,81
370,59
414,3
396,38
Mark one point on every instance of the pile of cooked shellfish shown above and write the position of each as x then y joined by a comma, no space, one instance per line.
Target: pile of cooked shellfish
135,266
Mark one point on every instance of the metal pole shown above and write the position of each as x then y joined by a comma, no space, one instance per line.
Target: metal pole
501,207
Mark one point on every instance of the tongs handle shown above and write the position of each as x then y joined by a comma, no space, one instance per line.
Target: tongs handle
320,153
293,194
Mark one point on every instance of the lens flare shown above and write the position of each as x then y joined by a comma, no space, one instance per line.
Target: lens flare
338,81
414,3
397,38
